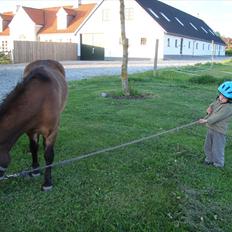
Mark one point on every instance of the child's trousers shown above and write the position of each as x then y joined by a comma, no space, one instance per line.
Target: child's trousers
214,148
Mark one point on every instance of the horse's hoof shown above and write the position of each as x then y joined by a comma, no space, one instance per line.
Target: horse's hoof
47,188
32,174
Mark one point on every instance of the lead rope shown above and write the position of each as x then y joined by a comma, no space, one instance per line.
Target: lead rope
68,161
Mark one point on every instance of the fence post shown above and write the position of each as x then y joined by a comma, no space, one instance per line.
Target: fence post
156,58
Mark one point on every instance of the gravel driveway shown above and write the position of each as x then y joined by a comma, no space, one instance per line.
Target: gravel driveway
11,74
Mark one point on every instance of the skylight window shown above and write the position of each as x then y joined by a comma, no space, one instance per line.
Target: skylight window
193,26
153,13
211,32
179,21
165,16
204,30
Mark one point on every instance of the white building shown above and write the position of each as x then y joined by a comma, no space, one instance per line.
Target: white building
179,33
5,19
97,31
54,24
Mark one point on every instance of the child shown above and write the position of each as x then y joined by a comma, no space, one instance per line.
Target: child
219,113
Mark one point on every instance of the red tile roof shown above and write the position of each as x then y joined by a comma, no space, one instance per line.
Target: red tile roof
36,15
47,18
6,16
80,15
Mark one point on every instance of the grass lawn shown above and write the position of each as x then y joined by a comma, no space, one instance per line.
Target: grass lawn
157,185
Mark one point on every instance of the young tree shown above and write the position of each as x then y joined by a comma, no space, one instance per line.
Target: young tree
124,73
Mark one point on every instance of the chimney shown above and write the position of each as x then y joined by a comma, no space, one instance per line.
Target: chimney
17,8
77,4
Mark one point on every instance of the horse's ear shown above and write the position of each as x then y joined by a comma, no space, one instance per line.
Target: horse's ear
39,73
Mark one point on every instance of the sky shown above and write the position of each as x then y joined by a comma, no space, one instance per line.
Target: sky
216,13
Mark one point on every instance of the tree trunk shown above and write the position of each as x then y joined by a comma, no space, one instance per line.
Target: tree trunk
124,73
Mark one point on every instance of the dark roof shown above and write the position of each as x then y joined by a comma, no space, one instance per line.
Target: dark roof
177,22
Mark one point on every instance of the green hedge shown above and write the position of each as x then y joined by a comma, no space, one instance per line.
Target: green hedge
229,52
4,58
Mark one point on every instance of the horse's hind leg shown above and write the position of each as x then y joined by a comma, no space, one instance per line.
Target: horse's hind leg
34,146
49,157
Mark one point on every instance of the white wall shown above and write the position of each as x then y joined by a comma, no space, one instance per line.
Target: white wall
140,26
190,47
22,27
58,37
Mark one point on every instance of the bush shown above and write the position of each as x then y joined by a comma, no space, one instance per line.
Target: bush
203,79
5,58
229,52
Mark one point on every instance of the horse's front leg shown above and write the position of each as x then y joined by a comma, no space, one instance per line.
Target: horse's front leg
49,157
34,146
4,162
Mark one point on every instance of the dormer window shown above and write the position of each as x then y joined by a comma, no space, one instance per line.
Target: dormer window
153,13
165,16
62,19
179,21
193,26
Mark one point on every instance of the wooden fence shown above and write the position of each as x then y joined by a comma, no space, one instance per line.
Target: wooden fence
28,51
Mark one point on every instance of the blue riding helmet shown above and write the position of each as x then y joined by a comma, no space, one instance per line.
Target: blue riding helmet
226,89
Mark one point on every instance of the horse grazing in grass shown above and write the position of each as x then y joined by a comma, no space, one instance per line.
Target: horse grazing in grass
34,108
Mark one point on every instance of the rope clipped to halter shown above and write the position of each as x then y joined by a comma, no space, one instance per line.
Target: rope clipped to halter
74,159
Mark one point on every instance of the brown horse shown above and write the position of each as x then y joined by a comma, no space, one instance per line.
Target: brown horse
34,108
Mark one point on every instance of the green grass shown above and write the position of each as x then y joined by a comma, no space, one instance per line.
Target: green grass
157,185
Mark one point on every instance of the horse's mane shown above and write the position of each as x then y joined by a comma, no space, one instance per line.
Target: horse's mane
37,73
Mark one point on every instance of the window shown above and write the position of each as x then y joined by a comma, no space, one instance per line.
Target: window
179,21
143,41
165,16
196,45
204,30
129,13
208,46
4,46
168,42
105,15
193,26
153,13
189,44
203,46
120,41
176,43
211,32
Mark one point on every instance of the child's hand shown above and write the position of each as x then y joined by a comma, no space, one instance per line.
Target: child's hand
202,121
209,110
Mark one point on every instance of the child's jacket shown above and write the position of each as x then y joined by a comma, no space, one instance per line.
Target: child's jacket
219,118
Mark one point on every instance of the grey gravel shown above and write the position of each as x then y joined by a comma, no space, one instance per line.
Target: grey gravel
11,74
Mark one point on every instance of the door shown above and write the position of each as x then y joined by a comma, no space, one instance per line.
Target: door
181,46
92,47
